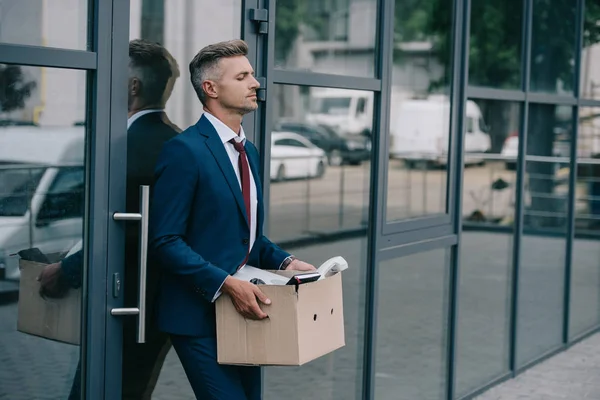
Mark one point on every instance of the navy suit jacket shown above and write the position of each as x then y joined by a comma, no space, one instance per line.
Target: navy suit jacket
198,228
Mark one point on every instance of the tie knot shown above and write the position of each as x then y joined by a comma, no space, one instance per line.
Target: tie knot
238,146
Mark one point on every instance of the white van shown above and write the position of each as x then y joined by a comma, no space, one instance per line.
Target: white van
42,189
420,132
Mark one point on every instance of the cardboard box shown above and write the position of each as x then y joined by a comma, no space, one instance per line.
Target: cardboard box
305,322
55,319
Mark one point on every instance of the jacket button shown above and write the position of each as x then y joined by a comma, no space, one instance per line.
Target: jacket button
245,241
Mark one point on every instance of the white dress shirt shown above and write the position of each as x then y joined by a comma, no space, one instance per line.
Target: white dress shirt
139,114
226,134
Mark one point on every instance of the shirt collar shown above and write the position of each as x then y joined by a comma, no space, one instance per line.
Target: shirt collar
225,132
139,114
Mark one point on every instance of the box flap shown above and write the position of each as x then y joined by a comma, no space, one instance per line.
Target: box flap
320,317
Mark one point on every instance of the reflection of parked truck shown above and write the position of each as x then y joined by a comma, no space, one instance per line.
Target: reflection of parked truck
348,112
420,132
41,191
419,128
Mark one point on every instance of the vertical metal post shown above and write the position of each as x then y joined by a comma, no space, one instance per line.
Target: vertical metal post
424,183
377,201
341,208
30,207
580,15
307,206
520,194
460,79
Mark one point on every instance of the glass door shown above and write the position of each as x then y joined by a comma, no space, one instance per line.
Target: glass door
55,161
142,362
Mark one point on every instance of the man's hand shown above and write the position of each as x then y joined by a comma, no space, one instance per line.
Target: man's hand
243,295
50,281
297,265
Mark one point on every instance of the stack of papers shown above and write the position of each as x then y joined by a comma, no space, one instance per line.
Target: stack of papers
261,276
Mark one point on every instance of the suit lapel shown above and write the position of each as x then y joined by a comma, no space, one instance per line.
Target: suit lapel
218,151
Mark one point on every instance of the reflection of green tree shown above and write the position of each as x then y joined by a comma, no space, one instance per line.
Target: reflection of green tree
14,89
289,16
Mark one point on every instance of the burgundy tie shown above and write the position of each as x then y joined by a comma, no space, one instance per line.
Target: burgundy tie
245,177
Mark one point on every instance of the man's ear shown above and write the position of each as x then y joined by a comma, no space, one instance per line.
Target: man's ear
210,88
135,87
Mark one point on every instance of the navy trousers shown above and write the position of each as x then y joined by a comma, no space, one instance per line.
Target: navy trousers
213,381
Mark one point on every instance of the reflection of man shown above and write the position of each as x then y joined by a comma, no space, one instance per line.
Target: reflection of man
150,70
206,221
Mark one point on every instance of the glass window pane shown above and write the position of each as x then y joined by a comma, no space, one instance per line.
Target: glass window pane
411,327
590,56
42,188
326,36
542,264
173,23
553,46
337,375
495,43
316,193
45,23
420,110
489,188
585,264
322,189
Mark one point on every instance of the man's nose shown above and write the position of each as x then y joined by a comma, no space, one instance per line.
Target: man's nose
255,83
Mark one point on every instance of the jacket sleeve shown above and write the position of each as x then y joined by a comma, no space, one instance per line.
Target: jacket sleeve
266,254
176,180
72,267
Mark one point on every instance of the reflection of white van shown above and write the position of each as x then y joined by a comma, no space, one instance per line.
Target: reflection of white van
41,191
348,112
420,132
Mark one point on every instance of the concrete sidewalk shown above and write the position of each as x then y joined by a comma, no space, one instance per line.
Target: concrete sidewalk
573,375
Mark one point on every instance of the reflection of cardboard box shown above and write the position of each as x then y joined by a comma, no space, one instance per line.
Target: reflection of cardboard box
55,319
305,322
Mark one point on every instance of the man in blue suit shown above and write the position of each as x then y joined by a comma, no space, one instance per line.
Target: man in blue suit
206,222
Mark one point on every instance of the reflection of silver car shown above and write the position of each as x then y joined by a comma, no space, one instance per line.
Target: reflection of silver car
292,156
41,191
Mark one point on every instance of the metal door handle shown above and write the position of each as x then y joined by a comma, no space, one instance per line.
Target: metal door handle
142,216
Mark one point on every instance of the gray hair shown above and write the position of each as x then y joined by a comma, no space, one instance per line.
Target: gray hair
205,64
148,63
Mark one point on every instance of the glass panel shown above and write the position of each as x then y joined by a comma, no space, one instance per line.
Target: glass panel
320,194
42,194
173,23
326,36
323,189
411,327
420,110
495,44
486,250
542,266
553,46
45,23
590,56
337,375
585,264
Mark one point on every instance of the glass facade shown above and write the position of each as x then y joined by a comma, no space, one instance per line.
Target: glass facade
449,150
